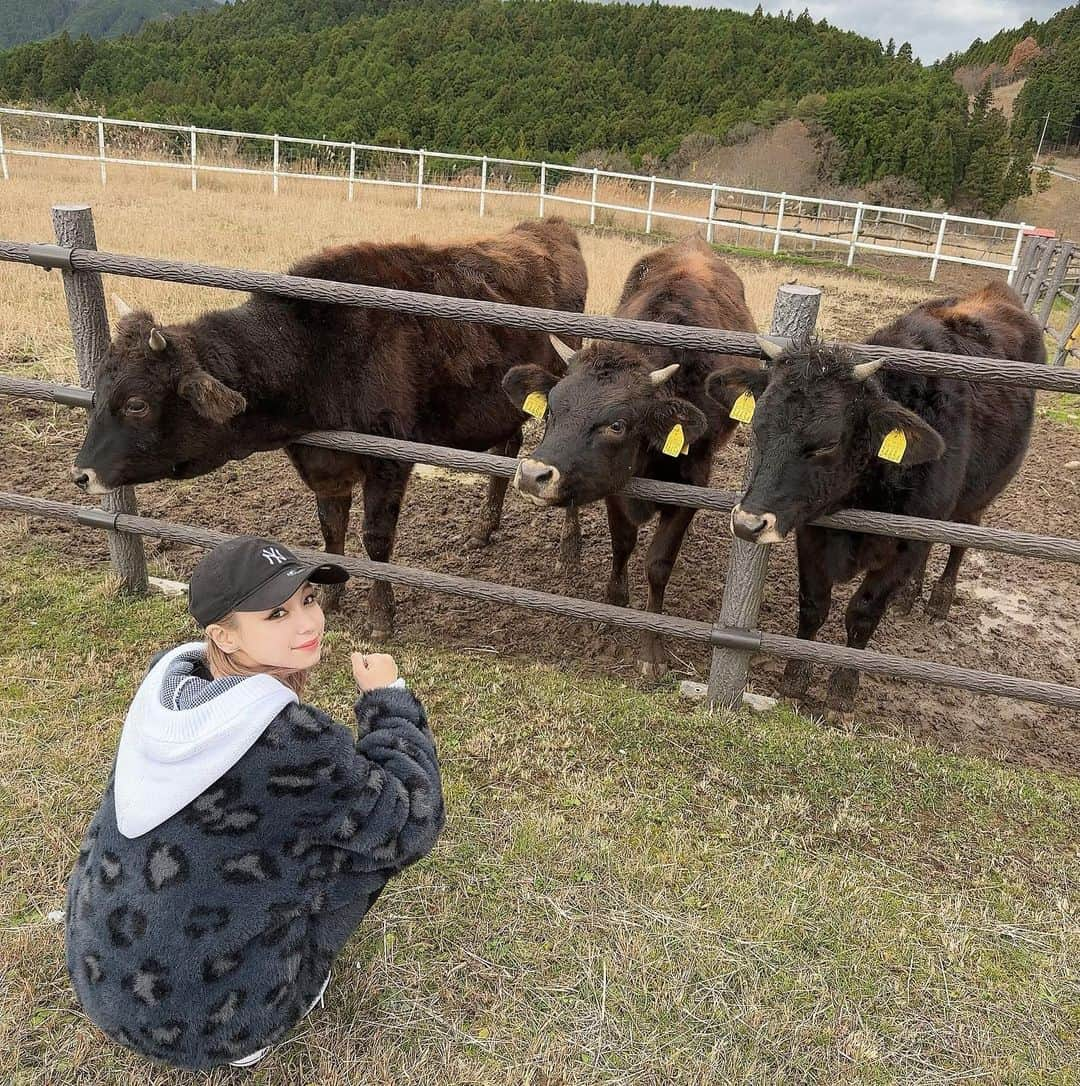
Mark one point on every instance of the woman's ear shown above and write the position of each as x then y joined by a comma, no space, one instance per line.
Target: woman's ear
224,638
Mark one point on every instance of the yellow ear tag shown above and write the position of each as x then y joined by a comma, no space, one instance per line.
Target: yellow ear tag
742,410
674,442
535,404
893,446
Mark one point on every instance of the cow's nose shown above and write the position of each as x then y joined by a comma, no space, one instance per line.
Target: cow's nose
537,479
753,527
80,478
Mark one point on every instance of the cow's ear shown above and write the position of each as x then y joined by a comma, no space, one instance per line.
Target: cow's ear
663,416
728,382
900,436
524,381
212,399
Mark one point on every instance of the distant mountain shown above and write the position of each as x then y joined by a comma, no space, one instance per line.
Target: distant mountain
561,79
31,20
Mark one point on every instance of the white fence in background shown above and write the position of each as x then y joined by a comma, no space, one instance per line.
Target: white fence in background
773,218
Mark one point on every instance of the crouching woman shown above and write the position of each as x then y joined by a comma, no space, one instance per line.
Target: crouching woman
243,834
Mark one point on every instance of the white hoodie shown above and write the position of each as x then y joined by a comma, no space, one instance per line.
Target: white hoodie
167,757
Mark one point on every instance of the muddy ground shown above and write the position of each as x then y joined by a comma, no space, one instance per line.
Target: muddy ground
1011,615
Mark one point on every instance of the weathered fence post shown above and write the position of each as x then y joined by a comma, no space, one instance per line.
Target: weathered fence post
712,215
420,180
1041,272
352,169
854,234
1064,255
592,207
543,185
483,185
937,246
1017,261
1071,328
652,200
779,223
74,225
795,316
101,147
3,156
194,170
277,161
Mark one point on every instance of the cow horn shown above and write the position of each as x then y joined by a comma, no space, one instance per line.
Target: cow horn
157,340
772,349
563,350
658,377
866,369
121,307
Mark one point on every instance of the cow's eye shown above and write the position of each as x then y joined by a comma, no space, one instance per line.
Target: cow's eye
135,407
617,427
825,450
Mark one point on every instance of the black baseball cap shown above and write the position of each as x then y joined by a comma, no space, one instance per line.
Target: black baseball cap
250,573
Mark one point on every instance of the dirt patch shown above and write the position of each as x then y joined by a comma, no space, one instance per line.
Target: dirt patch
1011,615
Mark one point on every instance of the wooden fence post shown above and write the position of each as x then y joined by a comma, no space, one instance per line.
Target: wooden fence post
712,215
779,223
854,235
1041,273
101,147
592,203
483,185
795,316
3,156
74,225
1071,328
194,169
1064,255
543,185
1017,262
420,180
277,162
652,201
937,246
352,170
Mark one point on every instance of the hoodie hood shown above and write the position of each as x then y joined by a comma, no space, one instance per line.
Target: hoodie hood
168,757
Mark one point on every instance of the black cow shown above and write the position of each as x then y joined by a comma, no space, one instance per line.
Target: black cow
833,434
179,401
626,409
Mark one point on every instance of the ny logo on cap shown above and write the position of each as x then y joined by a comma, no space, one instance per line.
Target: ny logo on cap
274,556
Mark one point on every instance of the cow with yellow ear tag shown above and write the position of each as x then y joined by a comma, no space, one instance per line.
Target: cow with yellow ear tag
834,432
626,409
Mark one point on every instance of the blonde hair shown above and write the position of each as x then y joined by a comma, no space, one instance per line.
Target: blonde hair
222,663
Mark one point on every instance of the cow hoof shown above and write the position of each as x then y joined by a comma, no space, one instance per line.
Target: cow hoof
653,670
381,633
617,597
844,719
904,603
331,597
477,543
796,680
939,605
840,695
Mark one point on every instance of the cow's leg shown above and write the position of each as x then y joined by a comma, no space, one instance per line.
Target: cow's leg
331,476
384,487
815,599
910,593
624,533
659,562
944,592
334,522
570,542
491,517
864,611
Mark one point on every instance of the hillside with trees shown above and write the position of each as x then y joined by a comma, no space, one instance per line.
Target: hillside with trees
560,80
29,20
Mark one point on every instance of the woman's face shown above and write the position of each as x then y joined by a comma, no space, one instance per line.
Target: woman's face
289,636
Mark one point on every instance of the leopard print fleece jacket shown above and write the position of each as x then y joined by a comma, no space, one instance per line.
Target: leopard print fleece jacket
208,937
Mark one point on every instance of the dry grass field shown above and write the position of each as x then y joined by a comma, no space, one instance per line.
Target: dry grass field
238,222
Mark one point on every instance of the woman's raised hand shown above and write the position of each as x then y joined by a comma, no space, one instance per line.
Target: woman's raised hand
373,669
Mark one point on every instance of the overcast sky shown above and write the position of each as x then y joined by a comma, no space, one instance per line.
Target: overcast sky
933,28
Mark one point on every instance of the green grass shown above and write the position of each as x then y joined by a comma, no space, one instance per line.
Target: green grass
1064,409
628,889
